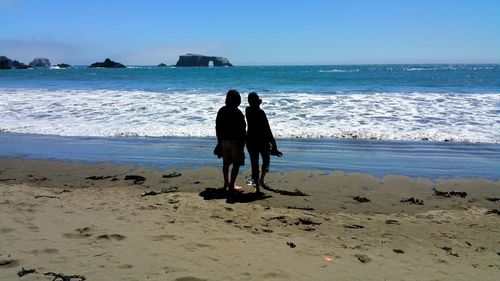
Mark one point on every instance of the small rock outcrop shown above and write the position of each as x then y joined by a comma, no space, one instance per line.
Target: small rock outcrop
108,64
63,65
6,63
201,60
40,63
162,65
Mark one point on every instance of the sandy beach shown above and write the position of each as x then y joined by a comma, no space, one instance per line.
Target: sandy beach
381,120
87,221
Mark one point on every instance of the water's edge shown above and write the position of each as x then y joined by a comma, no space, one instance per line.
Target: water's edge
415,159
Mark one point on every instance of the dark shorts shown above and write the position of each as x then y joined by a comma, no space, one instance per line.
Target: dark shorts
233,152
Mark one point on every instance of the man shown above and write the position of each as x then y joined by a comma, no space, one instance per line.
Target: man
230,128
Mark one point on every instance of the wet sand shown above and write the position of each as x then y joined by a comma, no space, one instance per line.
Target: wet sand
87,220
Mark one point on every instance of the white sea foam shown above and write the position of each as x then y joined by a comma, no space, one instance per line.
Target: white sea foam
392,116
339,70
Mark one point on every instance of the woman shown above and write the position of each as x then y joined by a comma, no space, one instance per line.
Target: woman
260,140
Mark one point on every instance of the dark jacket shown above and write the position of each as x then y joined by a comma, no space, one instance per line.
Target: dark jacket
259,132
230,124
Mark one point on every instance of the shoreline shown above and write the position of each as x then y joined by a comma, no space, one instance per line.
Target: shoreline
433,160
55,218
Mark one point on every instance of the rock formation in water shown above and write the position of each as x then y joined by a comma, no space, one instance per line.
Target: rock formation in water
108,64
162,65
63,65
201,60
6,63
40,63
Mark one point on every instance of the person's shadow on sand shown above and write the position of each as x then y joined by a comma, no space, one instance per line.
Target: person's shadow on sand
220,193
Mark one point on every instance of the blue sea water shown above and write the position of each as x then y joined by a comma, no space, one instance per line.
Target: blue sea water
387,102
457,104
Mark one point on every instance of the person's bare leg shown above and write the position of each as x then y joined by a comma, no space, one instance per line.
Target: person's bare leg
261,182
257,187
234,174
266,160
225,174
262,175
254,160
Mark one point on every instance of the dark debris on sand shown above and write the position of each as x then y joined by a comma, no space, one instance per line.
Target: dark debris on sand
494,211
137,179
46,196
449,193
449,251
353,226
361,199
306,221
63,277
171,175
300,208
98,178
412,200
153,193
25,271
56,276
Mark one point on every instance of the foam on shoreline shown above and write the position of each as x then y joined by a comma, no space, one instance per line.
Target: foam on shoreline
384,116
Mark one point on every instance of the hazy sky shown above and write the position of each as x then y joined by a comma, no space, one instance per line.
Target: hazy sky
254,32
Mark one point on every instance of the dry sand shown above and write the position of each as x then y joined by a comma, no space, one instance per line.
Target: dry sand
53,219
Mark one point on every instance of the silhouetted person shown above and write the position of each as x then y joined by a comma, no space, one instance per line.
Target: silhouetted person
230,128
260,140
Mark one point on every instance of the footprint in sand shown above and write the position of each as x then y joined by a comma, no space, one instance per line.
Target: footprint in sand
81,233
200,245
33,228
77,235
392,222
363,258
189,278
49,251
4,230
8,263
275,275
163,237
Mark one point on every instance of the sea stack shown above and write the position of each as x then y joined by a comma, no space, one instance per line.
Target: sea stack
107,63
40,63
191,60
63,65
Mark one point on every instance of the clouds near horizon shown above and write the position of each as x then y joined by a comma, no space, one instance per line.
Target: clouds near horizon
26,50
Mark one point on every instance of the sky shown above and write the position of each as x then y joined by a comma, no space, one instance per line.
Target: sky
253,32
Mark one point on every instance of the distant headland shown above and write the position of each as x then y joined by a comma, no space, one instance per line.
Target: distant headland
188,60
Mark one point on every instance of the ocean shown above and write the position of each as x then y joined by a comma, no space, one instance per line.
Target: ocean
426,106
